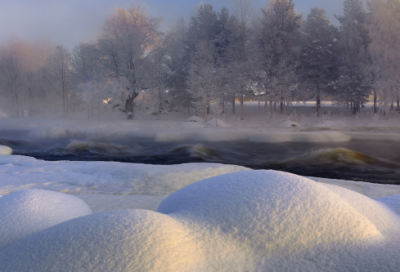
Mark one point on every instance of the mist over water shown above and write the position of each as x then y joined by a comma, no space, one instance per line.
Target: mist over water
371,161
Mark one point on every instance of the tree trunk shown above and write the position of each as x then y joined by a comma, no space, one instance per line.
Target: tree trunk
318,97
241,107
129,105
266,100
281,105
287,107
375,102
233,104
223,104
270,109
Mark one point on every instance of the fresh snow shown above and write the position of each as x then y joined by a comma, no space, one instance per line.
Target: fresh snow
243,221
289,124
215,122
195,119
29,211
21,172
5,150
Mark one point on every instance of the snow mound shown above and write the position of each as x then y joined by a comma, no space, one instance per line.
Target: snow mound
196,119
330,124
29,211
124,240
217,123
289,123
245,221
393,202
5,150
273,212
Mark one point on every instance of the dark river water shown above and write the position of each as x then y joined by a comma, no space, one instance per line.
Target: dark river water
371,161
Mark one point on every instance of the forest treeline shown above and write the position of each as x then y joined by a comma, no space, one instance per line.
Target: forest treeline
273,55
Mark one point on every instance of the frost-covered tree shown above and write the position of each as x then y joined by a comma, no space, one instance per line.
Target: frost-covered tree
237,59
384,68
318,59
175,47
127,42
158,78
279,49
352,48
87,62
203,77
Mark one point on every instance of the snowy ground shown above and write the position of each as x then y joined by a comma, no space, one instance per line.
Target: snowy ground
194,217
260,221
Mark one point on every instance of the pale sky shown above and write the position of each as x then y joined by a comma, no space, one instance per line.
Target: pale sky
70,21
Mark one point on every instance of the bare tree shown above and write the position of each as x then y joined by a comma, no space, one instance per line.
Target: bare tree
60,71
12,82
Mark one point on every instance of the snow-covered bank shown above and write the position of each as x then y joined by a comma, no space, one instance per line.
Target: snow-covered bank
5,150
127,179
21,172
242,221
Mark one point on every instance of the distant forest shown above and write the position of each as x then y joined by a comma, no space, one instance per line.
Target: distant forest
273,55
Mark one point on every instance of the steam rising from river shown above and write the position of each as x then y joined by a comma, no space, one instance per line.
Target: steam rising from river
374,161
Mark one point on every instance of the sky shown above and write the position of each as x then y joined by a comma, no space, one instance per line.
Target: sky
73,21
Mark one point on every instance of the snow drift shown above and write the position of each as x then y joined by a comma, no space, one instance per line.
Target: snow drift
275,212
29,211
245,221
124,240
5,150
